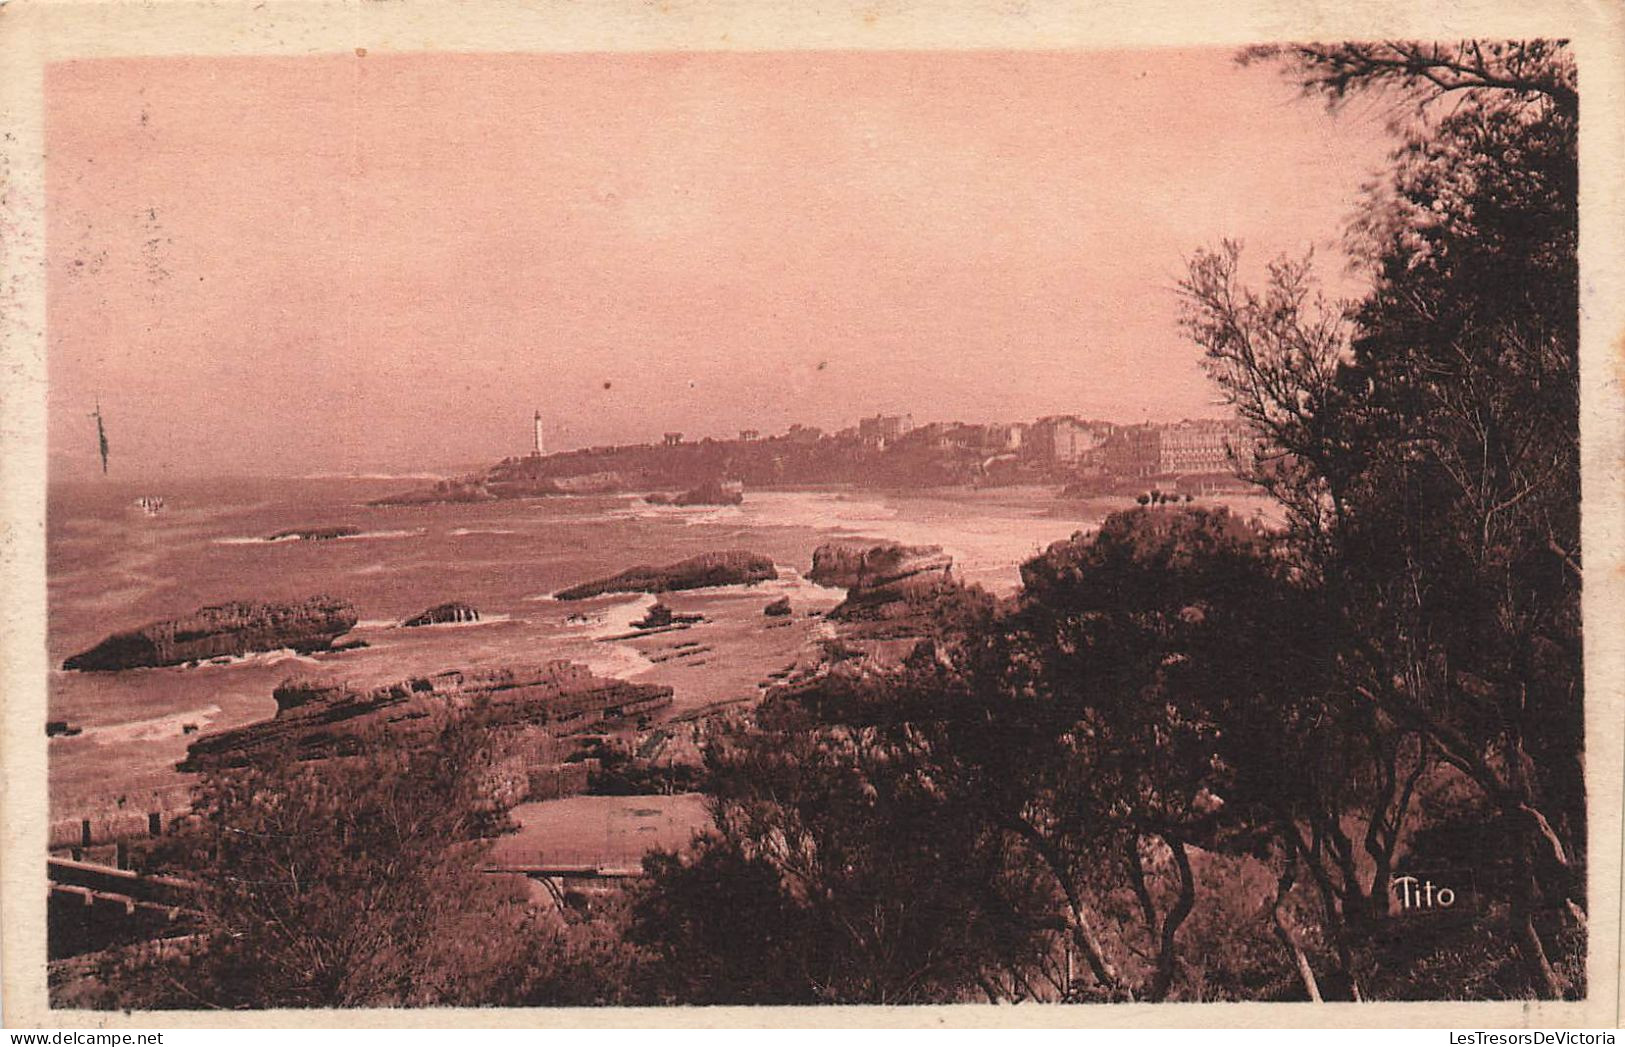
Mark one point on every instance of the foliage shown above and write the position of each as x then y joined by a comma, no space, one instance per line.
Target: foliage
860,880
1428,71
354,883
1058,781
620,773
1143,693
1426,438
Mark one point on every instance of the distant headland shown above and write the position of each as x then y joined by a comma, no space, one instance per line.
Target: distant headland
891,451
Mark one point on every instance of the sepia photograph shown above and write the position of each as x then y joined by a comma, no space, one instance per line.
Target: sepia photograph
816,526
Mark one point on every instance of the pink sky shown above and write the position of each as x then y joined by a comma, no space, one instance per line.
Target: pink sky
342,263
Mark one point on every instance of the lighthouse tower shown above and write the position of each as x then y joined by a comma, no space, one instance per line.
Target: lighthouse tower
537,452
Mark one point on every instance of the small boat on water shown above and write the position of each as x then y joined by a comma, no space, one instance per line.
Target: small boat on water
152,505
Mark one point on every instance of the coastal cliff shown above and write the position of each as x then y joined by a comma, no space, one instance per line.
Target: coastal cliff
733,567
320,719
221,631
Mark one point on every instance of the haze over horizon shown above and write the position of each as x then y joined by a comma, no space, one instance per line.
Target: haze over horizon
345,264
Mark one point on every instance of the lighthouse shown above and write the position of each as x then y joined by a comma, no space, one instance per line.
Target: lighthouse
537,452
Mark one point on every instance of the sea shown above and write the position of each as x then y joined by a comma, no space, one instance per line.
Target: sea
112,566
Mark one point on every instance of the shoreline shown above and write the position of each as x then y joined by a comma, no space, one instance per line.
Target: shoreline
988,530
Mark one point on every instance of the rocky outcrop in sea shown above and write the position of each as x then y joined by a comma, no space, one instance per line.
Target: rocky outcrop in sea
314,534
892,590
712,492
441,614
319,719
224,630
733,567
443,491
662,617
905,603
870,565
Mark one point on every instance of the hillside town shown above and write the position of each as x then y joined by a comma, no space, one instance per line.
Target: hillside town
1087,456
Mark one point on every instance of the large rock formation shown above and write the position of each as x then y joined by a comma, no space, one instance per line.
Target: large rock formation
440,614
906,602
870,565
697,572
224,630
712,492
318,719
892,591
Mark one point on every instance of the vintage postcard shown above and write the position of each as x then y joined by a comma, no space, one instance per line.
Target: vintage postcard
894,511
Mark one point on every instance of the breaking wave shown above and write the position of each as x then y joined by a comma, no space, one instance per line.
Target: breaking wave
154,728
293,538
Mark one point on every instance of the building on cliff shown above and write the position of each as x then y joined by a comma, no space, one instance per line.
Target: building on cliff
1064,440
1006,436
1134,451
882,429
1203,447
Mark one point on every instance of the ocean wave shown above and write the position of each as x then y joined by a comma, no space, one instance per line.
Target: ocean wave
987,545
463,531
793,584
153,729
291,538
614,660
790,582
693,515
618,617
816,510
373,476
819,510
403,533
608,619
259,658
